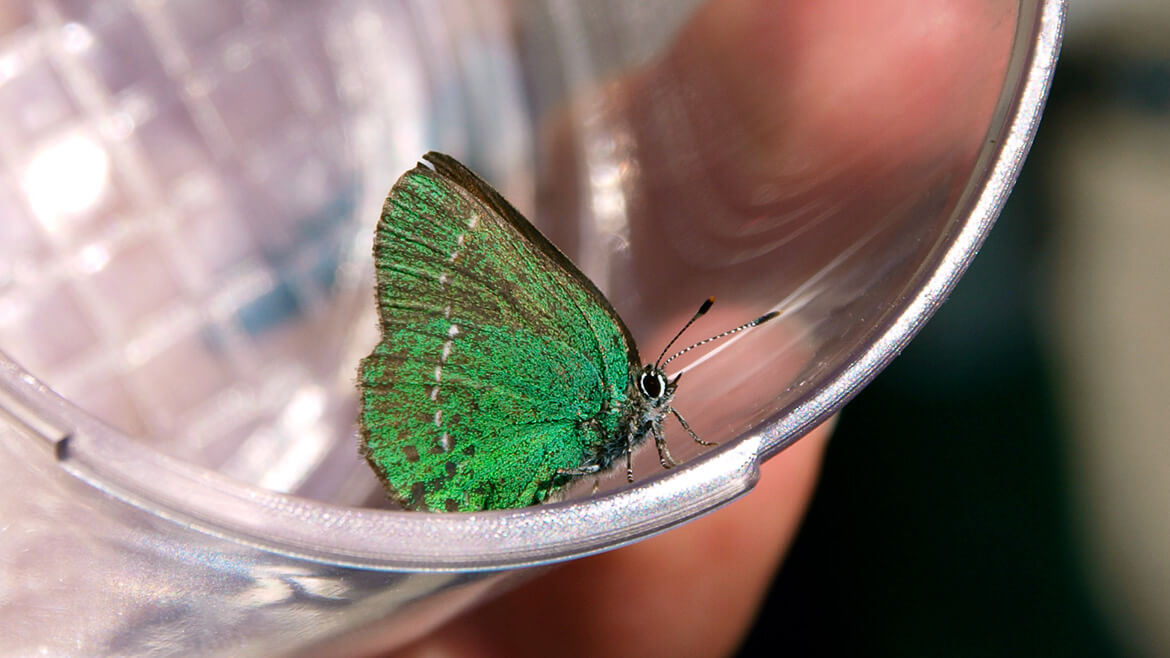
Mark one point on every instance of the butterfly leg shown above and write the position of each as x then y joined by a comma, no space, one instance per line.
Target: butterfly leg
572,472
663,451
581,470
630,458
687,427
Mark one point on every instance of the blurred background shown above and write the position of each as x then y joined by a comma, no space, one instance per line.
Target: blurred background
1003,488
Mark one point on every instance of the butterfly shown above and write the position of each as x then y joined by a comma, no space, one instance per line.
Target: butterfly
502,374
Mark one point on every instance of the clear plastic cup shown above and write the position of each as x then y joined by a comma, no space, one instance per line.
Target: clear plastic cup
189,192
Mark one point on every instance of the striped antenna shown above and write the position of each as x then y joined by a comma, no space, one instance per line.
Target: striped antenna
748,325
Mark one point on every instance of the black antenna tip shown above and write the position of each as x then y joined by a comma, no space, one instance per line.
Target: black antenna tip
765,317
702,309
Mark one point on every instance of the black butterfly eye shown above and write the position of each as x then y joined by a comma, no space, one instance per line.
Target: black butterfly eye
652,384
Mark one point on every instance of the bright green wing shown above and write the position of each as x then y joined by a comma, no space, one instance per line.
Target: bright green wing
500,362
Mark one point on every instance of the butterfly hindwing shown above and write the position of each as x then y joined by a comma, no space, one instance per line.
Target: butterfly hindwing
499,363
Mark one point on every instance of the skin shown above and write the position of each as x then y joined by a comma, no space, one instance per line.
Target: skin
872,95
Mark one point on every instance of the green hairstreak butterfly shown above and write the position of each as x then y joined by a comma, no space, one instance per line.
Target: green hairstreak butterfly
503,373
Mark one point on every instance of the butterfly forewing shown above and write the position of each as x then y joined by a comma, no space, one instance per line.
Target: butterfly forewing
499,363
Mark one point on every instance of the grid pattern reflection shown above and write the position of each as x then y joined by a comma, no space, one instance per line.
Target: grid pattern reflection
177,207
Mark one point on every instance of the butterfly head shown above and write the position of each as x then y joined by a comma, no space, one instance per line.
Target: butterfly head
655,388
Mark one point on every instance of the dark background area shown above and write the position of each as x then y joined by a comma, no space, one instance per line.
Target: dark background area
945,521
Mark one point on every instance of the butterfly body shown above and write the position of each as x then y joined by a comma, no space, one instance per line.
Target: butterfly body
502,373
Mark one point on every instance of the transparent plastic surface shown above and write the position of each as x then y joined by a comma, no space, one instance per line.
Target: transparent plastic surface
188,193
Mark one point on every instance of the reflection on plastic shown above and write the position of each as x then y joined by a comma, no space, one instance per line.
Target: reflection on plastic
66,178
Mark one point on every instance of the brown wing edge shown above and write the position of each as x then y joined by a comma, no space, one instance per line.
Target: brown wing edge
407,501
363,438
482,190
